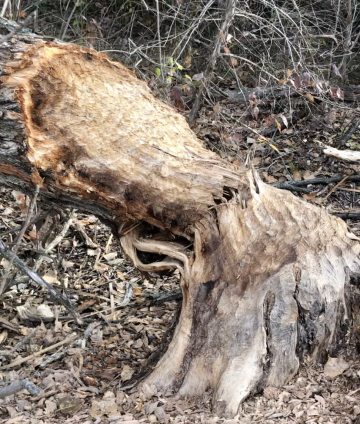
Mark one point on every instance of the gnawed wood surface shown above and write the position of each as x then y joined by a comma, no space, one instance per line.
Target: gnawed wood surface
264,274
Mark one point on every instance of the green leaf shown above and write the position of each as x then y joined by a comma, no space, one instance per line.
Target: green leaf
180,67
169,80
158,71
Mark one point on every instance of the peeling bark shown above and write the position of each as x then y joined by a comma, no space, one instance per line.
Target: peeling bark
264,275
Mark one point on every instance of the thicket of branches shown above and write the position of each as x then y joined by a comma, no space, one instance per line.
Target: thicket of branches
176,42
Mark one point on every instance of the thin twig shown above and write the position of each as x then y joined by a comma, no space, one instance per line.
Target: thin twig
349,133
17,386
18,239
320,180
5,6
17,29
21,343
54,242
347,215
336,187
20,361
78,227
58,297
220,37
69,19
159,35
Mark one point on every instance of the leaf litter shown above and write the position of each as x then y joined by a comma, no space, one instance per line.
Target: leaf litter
90,377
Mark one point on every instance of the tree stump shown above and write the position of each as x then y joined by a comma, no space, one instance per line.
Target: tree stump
265,276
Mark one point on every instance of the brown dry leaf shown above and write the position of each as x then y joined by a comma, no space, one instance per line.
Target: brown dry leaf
89,220
3,336
309,196
217,108
256,161
297,175
285,121
92,252
7,211
50,277
21,199
233,61
335,367
70,405
160,414
198,77
310,97
105,406
4,263
308,175
33,233
269,178
126,373
101,267
110,256
44,311
67,264
320,400
50,407
271,392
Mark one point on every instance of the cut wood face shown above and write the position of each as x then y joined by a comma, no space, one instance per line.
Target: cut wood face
263,273
95,128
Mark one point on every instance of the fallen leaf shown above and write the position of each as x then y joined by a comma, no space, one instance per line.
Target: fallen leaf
126,373
50,277
3,336
271,392
297,175
70,405
198,77
310,97
278,125
274,147
67,264
285,121
336,70
335,367
110,256
105,406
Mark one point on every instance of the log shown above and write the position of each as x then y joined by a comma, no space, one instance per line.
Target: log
265,276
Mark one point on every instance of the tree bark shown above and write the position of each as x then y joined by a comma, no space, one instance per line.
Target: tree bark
265,276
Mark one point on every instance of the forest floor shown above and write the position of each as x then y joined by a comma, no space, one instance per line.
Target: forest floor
89,376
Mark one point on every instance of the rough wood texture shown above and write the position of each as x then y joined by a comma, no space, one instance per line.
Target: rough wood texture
264,274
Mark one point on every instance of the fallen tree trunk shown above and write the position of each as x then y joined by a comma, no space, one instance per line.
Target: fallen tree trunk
265,276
